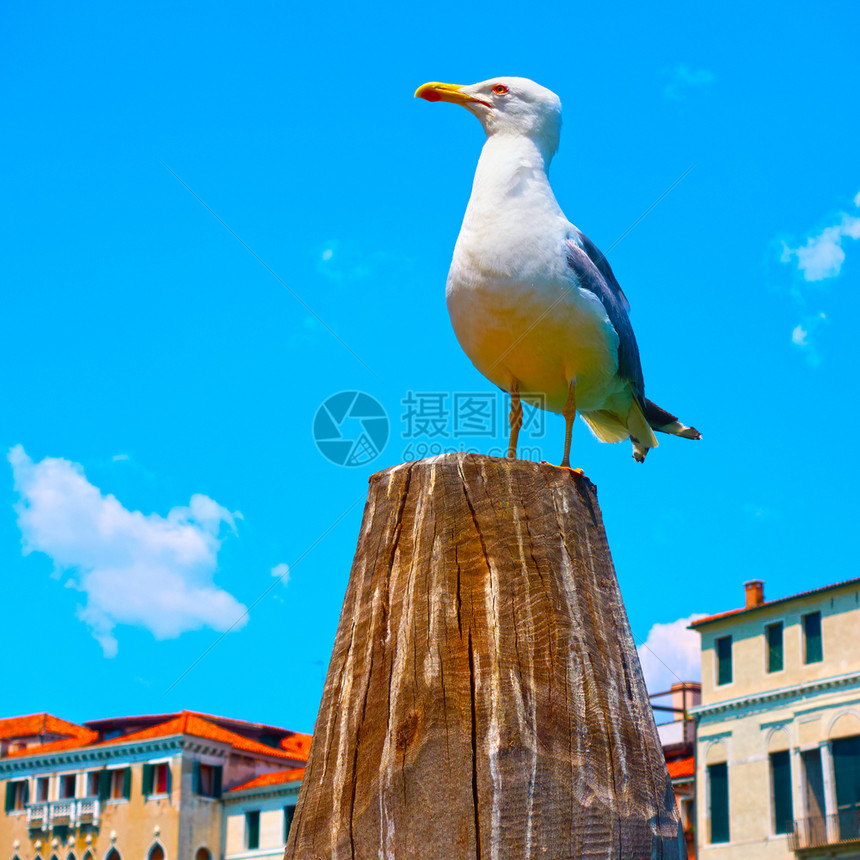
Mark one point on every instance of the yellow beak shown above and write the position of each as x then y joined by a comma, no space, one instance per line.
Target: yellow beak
436,92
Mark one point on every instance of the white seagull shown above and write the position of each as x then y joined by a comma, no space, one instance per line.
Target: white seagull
533,303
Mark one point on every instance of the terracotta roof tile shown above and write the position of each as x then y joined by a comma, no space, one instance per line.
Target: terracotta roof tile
279,777
720,616
298,745
682,767
56,746
186,722
38,724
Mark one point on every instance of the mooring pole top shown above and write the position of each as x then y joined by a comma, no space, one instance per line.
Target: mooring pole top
490,466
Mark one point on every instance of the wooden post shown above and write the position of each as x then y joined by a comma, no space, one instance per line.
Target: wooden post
484,698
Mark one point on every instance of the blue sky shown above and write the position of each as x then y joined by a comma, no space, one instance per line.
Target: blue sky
161,383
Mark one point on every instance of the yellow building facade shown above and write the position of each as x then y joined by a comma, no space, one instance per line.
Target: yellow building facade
778,728
146,788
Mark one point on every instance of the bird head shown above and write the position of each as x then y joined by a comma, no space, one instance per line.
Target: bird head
505,106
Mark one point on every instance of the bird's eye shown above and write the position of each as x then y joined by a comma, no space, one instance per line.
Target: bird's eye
500,89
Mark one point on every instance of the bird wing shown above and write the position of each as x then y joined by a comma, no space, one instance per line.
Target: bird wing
594,274
596,257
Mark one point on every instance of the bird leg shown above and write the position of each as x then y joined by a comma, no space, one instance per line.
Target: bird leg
515,418
569,413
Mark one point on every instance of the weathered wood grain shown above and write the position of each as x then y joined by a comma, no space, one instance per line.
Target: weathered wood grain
484,698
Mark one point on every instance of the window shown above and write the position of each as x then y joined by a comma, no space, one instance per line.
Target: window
289,812
773,635
155,853
67,786
156,778
92,786
41,789
813,780
846,773
113,854
723,647
115,784
207,779
812,650
202,854
718,783
252,829
162,778
780,776
16,795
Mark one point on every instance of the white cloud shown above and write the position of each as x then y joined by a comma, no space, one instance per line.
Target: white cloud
670,654
822,256
818,259
120,458
138,569
282,571
760,512
802,337
685,79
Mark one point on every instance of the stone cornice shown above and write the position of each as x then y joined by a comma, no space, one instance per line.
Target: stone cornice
795,691
287,789
103,754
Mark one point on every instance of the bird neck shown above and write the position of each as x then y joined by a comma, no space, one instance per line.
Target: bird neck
512,172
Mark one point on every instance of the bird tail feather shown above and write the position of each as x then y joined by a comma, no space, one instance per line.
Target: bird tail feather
665,422
605,425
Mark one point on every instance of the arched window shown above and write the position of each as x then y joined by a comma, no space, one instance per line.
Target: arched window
155,853
71,856
88,856
203,854
113,854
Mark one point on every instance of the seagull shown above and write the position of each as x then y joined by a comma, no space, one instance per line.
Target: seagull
533,302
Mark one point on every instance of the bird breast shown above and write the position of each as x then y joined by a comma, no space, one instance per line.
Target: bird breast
520,315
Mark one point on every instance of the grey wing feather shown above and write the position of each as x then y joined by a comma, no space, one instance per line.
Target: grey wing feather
594,274
603,266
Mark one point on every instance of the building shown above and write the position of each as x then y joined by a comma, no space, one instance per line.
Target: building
153,787
778,729
258,815
678,739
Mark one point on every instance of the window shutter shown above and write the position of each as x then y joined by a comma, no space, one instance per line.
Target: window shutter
10,795
812,634
216,780
169,777
147,779
289,812
718,774
104,785
783,814
252,824
27,792
724,660
126,783
774,648
195,777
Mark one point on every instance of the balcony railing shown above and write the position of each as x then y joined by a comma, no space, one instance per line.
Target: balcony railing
824,830
63,813
37,814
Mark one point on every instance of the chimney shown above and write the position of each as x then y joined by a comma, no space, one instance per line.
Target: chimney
754,593
685,695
